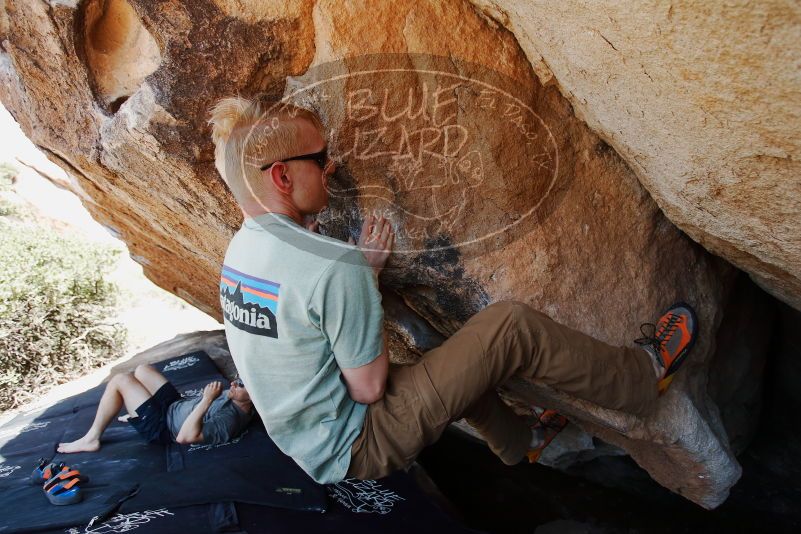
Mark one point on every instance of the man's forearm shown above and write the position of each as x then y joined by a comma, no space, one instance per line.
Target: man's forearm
193,426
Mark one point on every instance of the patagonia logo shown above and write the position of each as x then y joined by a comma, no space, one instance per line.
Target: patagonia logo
249,303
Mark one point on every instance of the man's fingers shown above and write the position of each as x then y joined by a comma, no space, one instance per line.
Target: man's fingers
379,231
366,225
374,231
365,234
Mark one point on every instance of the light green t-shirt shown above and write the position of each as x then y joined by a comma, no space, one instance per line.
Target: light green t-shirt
297,307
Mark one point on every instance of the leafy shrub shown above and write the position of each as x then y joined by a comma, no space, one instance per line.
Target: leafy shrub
54,310
7,174
6,208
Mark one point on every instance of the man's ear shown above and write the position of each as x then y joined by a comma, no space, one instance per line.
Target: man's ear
277,175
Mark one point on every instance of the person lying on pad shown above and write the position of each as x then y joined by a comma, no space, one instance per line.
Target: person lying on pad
304,323
160,415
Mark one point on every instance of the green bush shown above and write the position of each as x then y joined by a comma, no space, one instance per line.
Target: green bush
7,174
54,310
6,209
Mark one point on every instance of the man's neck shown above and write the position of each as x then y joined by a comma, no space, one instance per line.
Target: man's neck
289,211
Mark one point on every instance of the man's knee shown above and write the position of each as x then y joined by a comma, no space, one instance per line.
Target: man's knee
142,369
504,308
122,379
522,315
516,309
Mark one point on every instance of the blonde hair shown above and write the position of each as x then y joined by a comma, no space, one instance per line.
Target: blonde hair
248,134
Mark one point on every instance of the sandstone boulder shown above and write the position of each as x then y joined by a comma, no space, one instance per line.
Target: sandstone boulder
701,101
499,191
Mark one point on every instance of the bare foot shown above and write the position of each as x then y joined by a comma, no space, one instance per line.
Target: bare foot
80,445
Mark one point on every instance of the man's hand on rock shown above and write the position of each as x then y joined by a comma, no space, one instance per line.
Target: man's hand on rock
376,241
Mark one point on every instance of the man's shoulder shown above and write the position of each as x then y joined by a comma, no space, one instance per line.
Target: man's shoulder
325,249
228,420
293,243
223,406
322,257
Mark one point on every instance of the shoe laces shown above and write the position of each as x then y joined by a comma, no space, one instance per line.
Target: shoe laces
657,338
550,424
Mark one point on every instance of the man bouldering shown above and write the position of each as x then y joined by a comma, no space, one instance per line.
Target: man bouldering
304,325
160,415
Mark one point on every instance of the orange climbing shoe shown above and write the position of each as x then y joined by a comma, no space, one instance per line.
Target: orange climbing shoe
549,424
670,340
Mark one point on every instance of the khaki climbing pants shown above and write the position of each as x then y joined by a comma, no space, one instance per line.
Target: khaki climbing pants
458,379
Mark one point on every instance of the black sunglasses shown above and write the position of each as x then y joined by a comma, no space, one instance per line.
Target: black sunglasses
320,157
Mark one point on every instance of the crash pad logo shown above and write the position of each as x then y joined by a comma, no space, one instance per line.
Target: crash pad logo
183,363
364,496
7,470
249,303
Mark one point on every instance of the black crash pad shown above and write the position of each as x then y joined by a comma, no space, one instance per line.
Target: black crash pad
247,485
250,469
393,505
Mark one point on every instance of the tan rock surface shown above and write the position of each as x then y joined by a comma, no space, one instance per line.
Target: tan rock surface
702,100
533,206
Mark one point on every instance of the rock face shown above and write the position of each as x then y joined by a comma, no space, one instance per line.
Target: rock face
701,102
737,371
497,189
